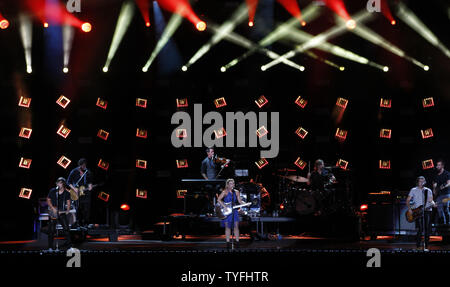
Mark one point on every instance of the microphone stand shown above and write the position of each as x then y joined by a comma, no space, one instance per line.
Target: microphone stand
233,194
424,195
57,217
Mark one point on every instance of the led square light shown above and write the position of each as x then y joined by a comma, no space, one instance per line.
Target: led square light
300,163
63,131
342,164
385,103
24,102
428,133
103,164
427,164
181,133
220,102
103,134
262,131
101,103
140,193
140,163
428,102
25,193
182,103
25,162
141,133
301,102
341,134
182,163
301,132
103,196
142,103
385,164
181,193
261,101
220,133
385,133
64,162
261,163
25,133
341,102
63,101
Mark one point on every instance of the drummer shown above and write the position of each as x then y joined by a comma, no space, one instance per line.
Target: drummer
318,179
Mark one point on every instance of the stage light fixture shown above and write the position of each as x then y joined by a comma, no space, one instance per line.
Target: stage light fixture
4,24
46,25
103,134
103,164
25,162
220,133
86,27
393,22
343,164
25,133
385,164
65,70
142,103
261,163
63,131
125,207
342,68
301,132
364,207
141,133
428,102
261,101
101,103
105,69
341,102
182,163
220,102
385,133
63,101
351,24
300,163
426,68
24,102
25,193
385,69
201,26
262,131
184,68
26,35
385,103
301,102
64,162
181,133
103,196
428,133
250,23
223,69
427,164
140,193
147,24
182,103
341,134
140,163
181,193
29,70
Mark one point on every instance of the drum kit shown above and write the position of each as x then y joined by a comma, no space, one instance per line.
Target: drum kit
297,198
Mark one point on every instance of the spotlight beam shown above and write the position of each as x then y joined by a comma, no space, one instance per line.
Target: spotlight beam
123,22
407,16
26,34
68,32
371,36
170,29
319,39
309,14
238,17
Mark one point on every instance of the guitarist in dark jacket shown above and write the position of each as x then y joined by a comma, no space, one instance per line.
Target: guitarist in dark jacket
441,190
58,201
421,196
82,177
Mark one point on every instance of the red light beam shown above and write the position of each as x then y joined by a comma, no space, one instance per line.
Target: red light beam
144,7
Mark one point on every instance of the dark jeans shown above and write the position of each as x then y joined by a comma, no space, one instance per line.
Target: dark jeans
419,225
62,219
84,210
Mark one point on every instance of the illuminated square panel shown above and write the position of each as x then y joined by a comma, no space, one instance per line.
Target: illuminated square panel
181,193
220,102
63,101
261,101
63,131
103,134
427,164
140,193
341,134
301,102
25,133
428,133
25,162
25,193
220,133
385,164
261,163
101,103
182,103
181,133
428,102
103,164
24,102
103,196
341,102
182,163
141,133
262,131
300,163
342,164
385,133
140,163
142,103
64,162
301,132
385,103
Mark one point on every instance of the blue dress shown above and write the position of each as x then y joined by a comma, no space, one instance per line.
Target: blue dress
228,221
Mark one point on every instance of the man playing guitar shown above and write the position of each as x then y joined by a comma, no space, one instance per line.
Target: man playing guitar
441,191
80,182
58,201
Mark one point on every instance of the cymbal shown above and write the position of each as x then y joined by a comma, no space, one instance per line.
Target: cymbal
295,178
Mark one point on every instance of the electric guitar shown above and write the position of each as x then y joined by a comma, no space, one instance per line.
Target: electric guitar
223,212
55,215
82,190
413,214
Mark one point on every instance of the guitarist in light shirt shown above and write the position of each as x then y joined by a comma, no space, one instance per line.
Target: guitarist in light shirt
417,196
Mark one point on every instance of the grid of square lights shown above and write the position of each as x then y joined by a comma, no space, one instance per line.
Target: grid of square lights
25,133
301,132
428,133
182,163
103,196
25,162
261,101
141,133
101,103
385,103
342,164
341,102
142,103
385,133
301,102
103,164
427,164
64,162
220,133
300,163
262,131
63,131
220,102
182,103
25,193
63,101
24,102
103,134
385,164
141,193
261,163
140,163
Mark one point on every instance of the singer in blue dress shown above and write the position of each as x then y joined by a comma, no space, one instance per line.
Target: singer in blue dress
228,195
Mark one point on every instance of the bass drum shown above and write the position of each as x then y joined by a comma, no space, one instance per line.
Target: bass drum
305,203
